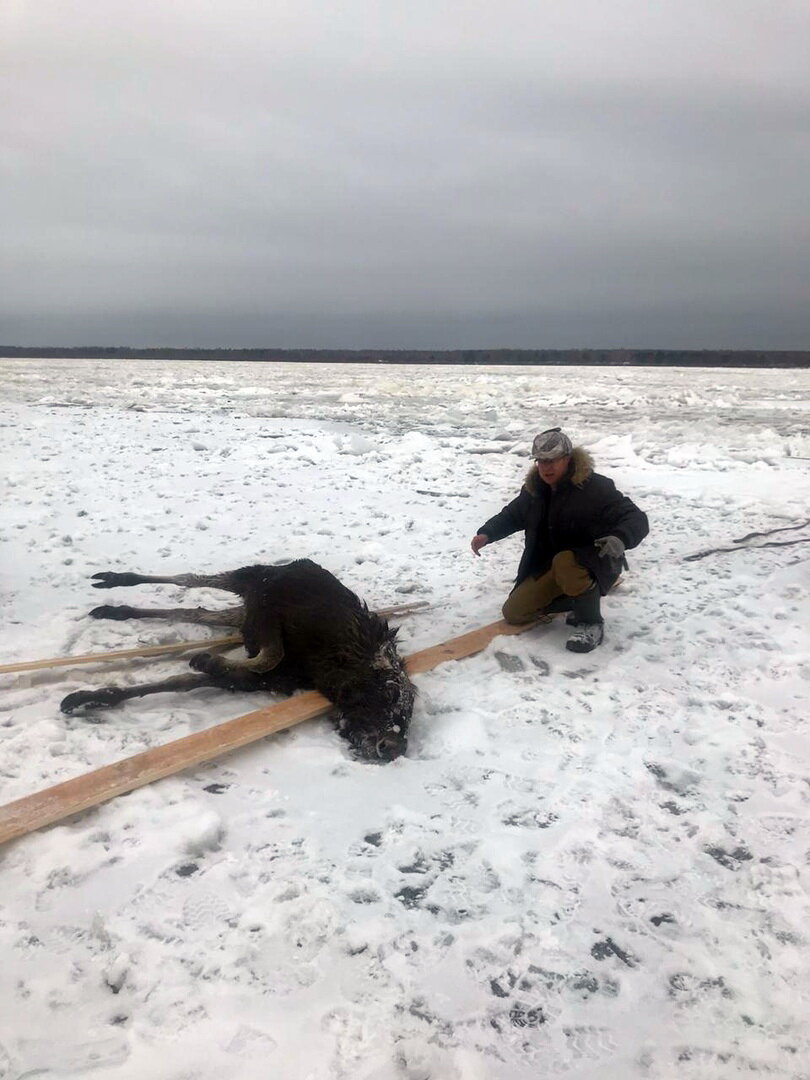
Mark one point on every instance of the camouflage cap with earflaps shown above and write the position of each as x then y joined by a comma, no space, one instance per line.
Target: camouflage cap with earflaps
551,444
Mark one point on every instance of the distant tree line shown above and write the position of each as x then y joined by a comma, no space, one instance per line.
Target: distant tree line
596,357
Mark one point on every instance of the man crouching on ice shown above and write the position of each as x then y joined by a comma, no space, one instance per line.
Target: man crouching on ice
577,527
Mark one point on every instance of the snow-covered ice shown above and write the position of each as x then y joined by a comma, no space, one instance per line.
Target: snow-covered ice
585,866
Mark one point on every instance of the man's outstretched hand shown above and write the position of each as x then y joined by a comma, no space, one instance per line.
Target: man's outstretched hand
478,541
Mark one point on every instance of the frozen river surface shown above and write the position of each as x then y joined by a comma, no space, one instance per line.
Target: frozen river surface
585,866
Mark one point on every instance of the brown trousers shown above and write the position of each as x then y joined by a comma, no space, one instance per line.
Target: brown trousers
565,578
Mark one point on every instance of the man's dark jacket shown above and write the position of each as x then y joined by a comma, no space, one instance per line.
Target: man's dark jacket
584,507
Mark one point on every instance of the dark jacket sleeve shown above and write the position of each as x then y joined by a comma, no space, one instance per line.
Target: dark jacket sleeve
619,516
510,520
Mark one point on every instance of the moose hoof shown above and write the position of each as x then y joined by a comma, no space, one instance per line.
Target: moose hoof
109,580
112,611
206,663
104,698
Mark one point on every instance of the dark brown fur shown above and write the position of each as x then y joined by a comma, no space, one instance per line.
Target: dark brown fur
302,629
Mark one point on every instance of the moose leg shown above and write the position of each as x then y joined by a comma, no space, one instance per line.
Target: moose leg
269,656
239,677
104,697
235,677
204,617
111,580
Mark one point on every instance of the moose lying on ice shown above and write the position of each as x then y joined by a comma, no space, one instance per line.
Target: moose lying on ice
302,629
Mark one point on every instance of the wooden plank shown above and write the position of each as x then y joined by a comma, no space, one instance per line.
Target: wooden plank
165,650
56,803
122,654
466,645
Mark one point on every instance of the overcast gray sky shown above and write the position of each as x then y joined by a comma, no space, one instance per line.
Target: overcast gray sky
404,173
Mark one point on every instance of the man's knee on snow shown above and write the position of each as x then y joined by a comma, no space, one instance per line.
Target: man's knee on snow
514,612
572,578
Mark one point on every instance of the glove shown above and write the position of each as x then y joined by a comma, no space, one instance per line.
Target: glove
609,547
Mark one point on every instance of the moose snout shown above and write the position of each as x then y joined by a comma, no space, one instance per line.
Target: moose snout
379,748
391,746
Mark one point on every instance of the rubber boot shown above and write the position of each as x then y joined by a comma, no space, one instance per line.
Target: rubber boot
588,623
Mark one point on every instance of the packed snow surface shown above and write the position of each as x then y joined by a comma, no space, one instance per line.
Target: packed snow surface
585,866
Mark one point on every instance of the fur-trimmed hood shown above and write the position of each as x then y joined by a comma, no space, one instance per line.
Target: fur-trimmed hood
579,471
